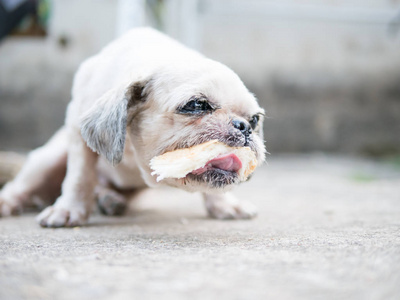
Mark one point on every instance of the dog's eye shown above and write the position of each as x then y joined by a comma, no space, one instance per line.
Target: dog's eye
196,106
254,121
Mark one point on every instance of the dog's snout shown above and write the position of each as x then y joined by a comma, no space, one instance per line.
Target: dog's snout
242,125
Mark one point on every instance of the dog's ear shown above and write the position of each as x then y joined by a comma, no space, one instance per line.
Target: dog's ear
103,126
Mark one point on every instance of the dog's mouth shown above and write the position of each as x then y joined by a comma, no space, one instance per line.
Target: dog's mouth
218,172
226,162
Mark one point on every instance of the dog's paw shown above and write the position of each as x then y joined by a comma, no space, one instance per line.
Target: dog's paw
111,203
9,207
225,211
10,202
54,216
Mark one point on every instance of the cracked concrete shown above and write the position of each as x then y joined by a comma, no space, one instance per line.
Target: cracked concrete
328,228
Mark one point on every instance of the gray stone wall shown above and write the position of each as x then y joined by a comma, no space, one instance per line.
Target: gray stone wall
36,73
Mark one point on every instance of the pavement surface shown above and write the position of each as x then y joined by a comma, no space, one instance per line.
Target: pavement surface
328,228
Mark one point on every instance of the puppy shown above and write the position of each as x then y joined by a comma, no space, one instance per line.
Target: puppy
141,96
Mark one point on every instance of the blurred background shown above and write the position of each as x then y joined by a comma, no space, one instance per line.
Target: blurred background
326,71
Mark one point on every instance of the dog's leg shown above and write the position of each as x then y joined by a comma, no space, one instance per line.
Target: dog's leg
110,202
227,206
74,205
39,181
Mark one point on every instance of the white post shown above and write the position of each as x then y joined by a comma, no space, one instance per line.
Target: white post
182,21
190,23
130,13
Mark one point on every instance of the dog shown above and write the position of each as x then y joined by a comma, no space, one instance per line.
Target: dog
143,95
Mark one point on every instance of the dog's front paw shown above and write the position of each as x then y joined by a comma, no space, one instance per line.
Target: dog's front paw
226,211
226,206
54,216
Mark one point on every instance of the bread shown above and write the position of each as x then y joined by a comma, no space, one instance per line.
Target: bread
179,163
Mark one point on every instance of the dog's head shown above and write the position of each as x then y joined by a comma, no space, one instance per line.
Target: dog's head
177,107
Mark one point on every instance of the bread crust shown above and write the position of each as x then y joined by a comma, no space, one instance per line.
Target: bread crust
179,163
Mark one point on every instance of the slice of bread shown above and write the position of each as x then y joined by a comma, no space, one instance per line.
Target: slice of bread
179,163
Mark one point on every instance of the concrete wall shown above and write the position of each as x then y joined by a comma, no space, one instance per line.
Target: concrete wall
327,72
36,73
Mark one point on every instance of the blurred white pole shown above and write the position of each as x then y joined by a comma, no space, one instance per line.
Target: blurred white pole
130,13
182,21
190,23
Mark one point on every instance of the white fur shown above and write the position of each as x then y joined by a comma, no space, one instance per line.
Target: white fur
109,116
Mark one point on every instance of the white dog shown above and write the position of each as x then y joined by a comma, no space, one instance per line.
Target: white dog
141,96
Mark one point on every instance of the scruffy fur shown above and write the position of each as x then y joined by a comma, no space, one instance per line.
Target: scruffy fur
124,111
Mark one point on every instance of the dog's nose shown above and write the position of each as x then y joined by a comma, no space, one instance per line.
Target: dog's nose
243,126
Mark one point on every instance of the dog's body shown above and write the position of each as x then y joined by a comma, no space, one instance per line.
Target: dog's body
142,96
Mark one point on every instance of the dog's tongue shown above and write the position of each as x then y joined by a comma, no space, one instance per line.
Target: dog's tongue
228,162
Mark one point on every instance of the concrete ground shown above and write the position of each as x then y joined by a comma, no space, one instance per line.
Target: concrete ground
328,228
